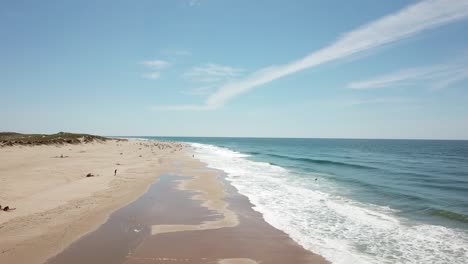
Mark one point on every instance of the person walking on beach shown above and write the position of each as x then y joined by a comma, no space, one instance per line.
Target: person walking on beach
115,172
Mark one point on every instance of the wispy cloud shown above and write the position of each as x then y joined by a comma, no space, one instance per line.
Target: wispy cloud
172,52
380,101
194,2
454,77
405,23
155,66
210,76
152,75
187,107
402,78
211,72
436,77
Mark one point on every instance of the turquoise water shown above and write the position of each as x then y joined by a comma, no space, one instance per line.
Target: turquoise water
352,200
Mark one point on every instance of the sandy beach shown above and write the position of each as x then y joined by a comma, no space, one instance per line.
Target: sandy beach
157,208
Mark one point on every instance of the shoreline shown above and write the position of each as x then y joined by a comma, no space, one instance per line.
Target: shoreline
210,189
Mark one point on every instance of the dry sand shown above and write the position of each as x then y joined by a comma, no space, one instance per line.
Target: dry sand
56,203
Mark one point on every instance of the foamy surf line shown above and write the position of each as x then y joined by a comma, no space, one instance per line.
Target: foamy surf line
336,227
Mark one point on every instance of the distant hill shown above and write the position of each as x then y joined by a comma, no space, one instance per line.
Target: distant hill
12,138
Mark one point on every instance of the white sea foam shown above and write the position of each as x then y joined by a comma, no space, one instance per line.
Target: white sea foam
340,229
141,139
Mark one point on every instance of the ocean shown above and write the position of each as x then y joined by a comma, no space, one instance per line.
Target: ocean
353,200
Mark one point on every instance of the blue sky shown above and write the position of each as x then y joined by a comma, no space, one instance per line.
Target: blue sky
350,69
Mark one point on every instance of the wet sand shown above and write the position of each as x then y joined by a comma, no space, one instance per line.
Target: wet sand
194,223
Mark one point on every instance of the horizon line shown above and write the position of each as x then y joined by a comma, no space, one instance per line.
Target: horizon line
346,138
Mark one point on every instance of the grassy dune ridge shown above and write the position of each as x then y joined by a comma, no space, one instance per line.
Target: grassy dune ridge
12,138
